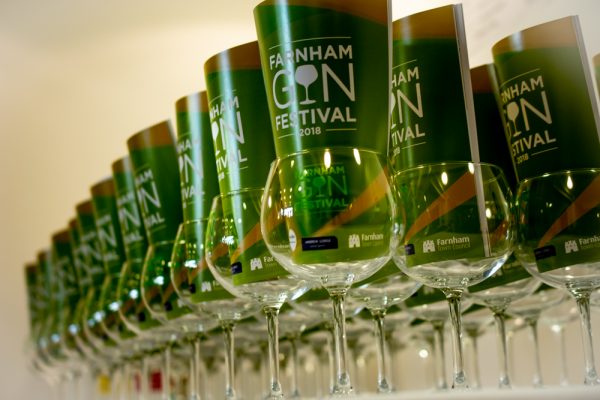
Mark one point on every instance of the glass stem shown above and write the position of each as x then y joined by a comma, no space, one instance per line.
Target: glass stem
294,365
559,331
194,378
533,329
228,338
330,359
454,297
166,373
382,370
583,304
342,385
271,314
476,379
439,355
499,319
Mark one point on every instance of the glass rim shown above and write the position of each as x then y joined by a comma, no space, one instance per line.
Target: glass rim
447,163
194,221
565,172
238,192
330,149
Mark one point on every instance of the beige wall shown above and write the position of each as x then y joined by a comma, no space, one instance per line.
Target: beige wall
78,78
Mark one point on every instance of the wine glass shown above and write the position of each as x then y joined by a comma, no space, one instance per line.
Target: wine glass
476,320
132,311
510,283
306,75
240,261
293,323
156,178
556,318
558,230
327,216
429,304
197,288
529,309
385,288
456,229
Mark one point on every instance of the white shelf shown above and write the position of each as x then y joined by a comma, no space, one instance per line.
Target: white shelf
546,393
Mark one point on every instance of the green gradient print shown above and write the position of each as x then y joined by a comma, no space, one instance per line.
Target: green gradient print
86,287
441,215
156,176
191,275
130,221
197,165
239,118
51,324
107,224
326,68
132,308
90,245
67,289
113,254
250,259
34,300
338,204
238,104
493,148
78,256
547,99
431,111
566,211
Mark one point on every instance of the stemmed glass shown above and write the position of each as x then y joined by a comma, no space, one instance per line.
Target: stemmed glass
293,324
327,216
530,308
156,177
558,230
556,318
475,322
384,289
428,304
456,229
234,245
196,287
510,283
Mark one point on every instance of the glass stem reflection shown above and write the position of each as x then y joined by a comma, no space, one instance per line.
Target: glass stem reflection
271,314
382,370
533,329
476,377
583,304
342,383
439,355
499,319
559,332
228,339
454,297
195,361
295,393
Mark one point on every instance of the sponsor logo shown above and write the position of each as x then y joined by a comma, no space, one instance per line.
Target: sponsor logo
353,241
571,246
428,246
255,264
